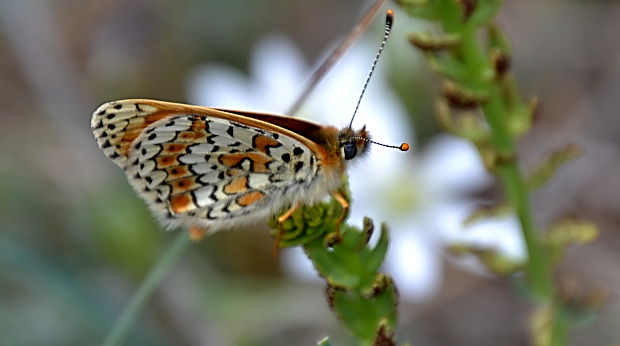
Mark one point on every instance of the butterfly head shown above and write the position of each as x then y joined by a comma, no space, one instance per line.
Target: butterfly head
353,143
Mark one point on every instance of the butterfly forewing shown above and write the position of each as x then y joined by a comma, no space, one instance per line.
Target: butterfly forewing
195,162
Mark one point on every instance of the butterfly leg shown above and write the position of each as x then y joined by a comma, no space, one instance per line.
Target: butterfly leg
197,233
281,220
338,196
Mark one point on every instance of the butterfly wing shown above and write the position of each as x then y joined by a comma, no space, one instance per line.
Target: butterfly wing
117,124
202,164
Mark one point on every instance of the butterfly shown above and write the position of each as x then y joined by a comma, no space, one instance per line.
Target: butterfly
211,169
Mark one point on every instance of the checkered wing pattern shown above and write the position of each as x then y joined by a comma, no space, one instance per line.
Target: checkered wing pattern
203,165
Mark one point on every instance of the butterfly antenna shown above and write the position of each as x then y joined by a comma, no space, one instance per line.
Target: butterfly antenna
402,147
389,20
335,56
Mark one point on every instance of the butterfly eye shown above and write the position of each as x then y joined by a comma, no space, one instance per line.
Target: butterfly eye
350,150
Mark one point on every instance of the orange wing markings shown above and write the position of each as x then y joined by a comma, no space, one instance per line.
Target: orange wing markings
183,185
198,125
237,186
177,172
136,127
174,148
250,198
234,171
193,136
167,161
181,203
263,143
257,161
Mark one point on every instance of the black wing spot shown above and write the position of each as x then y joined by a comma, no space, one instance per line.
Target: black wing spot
98,125
286,157
276,136
143,151
148,179
298,166
152,136
118,106
111,115
111,126
229,130
298,151
221,175
106,144
170,123
138,107
101,112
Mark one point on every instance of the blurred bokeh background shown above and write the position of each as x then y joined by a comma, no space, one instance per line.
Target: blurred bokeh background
75,240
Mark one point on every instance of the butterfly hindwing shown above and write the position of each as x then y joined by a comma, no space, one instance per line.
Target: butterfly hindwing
212,168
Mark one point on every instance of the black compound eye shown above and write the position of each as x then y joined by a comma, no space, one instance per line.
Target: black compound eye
350,150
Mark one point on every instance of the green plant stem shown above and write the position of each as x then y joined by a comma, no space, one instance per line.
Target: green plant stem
147,288
538,269
496,113
560,328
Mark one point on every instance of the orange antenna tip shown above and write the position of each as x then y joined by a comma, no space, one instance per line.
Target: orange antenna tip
404,147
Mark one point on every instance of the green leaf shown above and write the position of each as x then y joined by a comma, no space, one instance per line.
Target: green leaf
550,166
350,263
366,314
497,39
430,42
484,12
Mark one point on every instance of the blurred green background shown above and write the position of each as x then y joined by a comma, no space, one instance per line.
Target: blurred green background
75,240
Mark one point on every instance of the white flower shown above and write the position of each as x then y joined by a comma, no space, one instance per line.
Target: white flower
417,193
